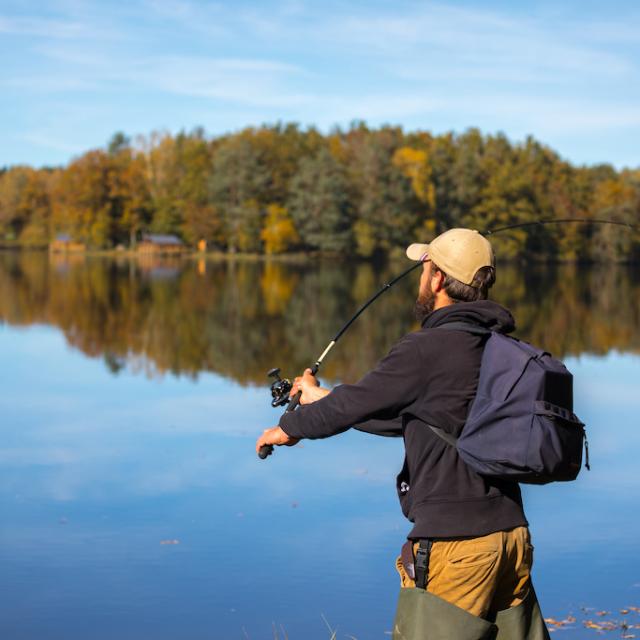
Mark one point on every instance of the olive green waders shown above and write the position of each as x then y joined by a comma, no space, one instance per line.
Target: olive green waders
424,616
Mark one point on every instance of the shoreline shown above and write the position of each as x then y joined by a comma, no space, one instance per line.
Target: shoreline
297,257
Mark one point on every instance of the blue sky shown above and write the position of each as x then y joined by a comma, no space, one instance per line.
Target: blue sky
72,72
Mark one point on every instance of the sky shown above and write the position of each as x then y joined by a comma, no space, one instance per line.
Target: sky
73,72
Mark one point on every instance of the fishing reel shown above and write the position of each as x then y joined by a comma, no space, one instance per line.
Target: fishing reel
280,388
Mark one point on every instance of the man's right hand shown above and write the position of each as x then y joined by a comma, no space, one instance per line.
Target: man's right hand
309,386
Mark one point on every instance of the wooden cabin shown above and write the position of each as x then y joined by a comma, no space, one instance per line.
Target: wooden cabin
158,244
64,243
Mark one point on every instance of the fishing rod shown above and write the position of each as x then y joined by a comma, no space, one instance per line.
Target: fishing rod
535,223
281,387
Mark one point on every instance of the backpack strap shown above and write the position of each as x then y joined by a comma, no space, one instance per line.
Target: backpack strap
469,327
441,433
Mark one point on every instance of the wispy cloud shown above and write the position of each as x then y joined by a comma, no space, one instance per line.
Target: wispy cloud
260,83
41,27
556,71
375,107
435,38
51,142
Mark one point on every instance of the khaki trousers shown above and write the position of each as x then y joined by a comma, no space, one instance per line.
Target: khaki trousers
480,575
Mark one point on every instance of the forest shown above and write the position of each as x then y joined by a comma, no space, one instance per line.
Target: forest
284,189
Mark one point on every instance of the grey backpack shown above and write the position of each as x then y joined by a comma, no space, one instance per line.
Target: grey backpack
521,424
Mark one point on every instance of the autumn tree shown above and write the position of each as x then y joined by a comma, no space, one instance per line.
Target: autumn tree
386,208
83,205
237,186
25,206
36,205
415,166
191,189
162,174
279,233
319,203
129,190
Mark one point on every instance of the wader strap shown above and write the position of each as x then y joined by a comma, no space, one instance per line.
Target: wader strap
422,563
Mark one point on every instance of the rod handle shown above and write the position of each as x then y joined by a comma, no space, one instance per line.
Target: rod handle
265,450
294,402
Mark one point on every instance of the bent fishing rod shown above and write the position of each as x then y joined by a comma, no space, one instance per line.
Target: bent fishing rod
281,387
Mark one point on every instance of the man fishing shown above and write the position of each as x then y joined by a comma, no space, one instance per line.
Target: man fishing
469,547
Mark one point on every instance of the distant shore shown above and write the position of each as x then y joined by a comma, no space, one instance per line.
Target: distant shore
187,254
290,257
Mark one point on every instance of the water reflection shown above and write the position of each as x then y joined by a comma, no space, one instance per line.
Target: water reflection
240,319
97,470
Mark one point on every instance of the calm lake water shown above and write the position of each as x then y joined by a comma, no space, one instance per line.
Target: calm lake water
133,504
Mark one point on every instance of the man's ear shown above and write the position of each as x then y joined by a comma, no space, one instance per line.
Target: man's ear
437,281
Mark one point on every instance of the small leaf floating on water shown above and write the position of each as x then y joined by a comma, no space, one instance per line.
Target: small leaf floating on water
589,624
560,623
294,505
553,622
600,625
170,541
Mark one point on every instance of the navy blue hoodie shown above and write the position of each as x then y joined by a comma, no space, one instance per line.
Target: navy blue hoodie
429,377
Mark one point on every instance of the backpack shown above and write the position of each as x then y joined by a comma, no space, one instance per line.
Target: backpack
520,425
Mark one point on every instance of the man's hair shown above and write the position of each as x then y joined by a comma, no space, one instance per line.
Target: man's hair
478,290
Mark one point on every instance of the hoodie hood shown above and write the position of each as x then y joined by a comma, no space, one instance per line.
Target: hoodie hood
485,313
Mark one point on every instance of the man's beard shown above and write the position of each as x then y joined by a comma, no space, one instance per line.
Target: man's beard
424,305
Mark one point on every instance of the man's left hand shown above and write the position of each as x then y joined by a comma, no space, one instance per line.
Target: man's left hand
275,436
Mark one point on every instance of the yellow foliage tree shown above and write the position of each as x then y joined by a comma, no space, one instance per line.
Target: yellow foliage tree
414,165
279,233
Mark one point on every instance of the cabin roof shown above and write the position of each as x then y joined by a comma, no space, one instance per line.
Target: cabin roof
164,239
63,237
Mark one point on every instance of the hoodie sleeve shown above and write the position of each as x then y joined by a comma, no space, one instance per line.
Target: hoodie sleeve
391,428
382,394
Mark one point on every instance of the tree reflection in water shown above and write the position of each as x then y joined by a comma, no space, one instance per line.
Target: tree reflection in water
240,318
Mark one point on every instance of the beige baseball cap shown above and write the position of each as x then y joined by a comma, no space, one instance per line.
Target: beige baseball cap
458,252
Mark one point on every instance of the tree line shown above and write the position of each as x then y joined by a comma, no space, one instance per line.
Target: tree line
281,189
